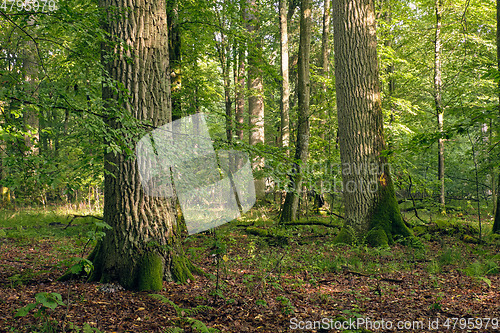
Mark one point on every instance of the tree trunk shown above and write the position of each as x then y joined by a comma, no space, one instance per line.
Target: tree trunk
291,204
142,248
285,81
325,64
438,103
30,115
240,92
496,224
371,207
325,40
174,53
256,91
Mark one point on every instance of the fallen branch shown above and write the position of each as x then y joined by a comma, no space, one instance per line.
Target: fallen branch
380,277
313,223
75,216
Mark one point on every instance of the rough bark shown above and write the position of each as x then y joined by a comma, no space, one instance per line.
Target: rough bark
285,81
291,204
142,248
255,91
371,208
438,102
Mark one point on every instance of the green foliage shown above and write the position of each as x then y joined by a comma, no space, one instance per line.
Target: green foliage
44,302
86,328
287,307
186,313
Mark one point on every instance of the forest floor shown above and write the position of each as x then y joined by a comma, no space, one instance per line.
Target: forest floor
292,279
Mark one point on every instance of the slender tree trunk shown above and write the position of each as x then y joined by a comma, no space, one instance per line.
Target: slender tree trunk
256,91
371,207
30,115
325,40
496,224
240,92
174,52
325,64
142,248
285,81
291,204
438,103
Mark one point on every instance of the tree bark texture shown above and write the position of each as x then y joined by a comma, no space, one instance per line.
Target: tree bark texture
255,90
141,249
371,208
291,204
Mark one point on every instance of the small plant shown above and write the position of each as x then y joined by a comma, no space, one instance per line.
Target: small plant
185,313
287,307
261,302
86,328
44,302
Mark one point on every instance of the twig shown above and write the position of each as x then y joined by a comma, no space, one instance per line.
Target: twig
75,216
313,223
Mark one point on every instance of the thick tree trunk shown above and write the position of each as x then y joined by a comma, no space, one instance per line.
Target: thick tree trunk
291,204
438,103
256,91
285,81
371,208
142,248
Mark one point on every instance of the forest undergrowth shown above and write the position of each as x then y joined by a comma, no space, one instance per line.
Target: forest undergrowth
259,277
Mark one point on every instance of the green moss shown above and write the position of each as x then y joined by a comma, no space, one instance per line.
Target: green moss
96,256
257,231
180,269
347,235
386,215
150,272
377,238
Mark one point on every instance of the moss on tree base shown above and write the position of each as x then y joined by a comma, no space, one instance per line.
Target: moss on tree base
346,236
150,272
384,220
181,269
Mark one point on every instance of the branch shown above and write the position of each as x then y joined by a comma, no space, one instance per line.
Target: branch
75,216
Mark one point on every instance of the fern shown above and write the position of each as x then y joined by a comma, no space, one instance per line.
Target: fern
198,326
182,312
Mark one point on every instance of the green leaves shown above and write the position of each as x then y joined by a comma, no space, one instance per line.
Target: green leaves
43,301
